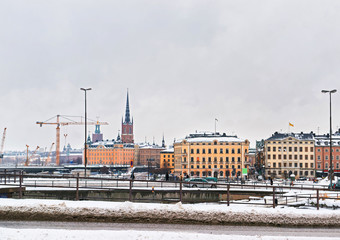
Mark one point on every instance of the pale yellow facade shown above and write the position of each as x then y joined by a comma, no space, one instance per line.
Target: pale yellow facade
289,155
167,161
210,156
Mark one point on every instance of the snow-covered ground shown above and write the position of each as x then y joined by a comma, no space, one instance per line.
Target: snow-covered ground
57,234
96,211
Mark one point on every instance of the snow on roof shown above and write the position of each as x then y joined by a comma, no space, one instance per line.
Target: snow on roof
209,137
169,150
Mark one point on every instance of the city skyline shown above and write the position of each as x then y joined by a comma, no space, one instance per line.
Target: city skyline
252,66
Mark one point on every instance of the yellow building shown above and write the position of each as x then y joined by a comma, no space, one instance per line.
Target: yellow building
168,160
290,153
110,153
210,154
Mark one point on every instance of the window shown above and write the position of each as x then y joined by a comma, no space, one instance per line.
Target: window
295,149
192,150
300,149
227,159
232,151
191,159
198,166
279,164
227,150
274,149
203,159
221,159
274,156
311,165
221,150
311,149
203,150
221,174
306,165
326,157
238,166
221,166
209,150
268,149
238,159
295,164
233,159
274,165
238,150
268,156
319,165
319,157
279,156
326,165
203,166
215,150
197,150
290,149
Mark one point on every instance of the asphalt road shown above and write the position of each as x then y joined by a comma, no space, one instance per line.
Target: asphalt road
214,229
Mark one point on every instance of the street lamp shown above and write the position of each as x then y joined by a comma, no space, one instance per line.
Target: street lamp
85,146
330,133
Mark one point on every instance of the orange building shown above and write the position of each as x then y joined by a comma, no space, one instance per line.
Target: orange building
210,154
168,160
110,153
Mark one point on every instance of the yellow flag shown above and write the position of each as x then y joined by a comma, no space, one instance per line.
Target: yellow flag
290,124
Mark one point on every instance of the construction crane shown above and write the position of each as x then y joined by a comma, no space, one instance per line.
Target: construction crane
48,159
29,158
2,145
69,122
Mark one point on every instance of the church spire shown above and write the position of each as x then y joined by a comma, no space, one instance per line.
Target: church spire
127,110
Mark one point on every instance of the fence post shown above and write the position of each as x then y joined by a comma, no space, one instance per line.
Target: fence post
130,191
228,195
77,188
20,185
180,192
273,197
317,199
5,176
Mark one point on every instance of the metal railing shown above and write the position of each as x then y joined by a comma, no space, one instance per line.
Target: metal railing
278,193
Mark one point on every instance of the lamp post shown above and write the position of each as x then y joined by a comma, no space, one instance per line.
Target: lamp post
330,174
85,146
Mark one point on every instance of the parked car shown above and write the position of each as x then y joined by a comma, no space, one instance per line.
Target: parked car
302,179
198,182
211,179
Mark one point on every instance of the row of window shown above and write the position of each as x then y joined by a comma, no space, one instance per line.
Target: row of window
302,173
209,174
337,166
290,149
215,166
209,159
215,143
279,142
326,157
290,157
326,150
215,151
307,165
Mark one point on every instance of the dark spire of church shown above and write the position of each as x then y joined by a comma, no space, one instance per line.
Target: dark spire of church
127,110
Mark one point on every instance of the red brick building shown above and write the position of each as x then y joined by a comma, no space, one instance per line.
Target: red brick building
322,154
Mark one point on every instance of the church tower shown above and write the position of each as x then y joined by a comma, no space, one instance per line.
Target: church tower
127,124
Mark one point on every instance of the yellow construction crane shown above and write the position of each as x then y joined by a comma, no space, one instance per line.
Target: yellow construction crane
29,158
2,145
68,122
48,159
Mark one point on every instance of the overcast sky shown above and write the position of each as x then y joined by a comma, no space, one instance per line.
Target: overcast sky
253,65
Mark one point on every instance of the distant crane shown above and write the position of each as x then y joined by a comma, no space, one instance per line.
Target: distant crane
70,122
2,145
29,158
48,159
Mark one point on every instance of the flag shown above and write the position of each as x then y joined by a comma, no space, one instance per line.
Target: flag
290,124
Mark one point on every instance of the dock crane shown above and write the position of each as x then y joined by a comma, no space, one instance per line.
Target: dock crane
29,158
2,145
69,122
48,159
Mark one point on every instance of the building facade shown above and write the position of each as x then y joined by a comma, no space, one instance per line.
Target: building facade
210,154
167,160
148,155
322,154
290,153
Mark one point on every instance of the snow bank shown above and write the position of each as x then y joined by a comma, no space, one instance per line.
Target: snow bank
57,234
94,211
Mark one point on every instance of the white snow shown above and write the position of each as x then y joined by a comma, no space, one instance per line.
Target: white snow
58,234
